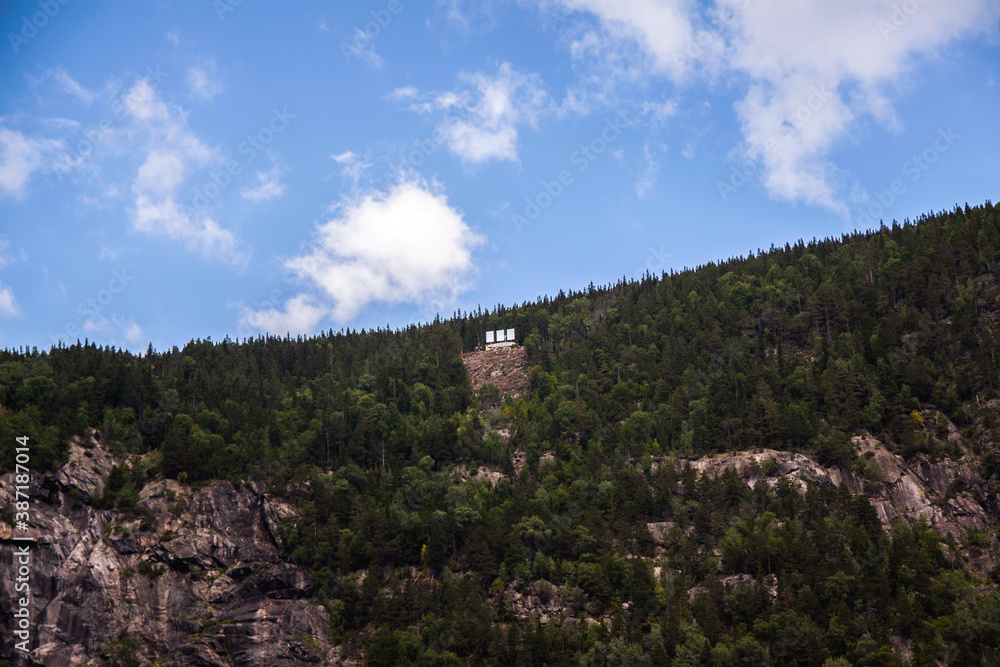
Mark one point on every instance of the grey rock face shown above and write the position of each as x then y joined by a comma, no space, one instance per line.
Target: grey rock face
199,581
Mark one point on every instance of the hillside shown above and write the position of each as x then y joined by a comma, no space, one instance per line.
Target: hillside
784,458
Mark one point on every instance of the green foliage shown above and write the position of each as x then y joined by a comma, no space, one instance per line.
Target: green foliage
122,652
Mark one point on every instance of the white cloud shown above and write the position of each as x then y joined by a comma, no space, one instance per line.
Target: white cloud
161,173
659,112
69,85
6,259
87,200
199,232
652,154
22,156
300,315
663,29
793,156
352,166
405,93
362,47
455,15
484,115
269,186
133,333
119,330
204,81
8,304
143,104
108,253
407,245
171,152
174,38
67,124
615,44
816,68
812,70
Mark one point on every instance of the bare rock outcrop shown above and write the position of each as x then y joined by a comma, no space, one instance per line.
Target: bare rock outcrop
194,577
503,367
944,493
561,605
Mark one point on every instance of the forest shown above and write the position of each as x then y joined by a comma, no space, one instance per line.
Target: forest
890,333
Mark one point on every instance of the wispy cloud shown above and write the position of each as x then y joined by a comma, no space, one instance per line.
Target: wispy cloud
107,253
362,47
22,156
352,166
816,68
664,31
299,315
652,154
119,330
6,259
484,114
813,70
204,81
69,85
8,304
269,185
171,152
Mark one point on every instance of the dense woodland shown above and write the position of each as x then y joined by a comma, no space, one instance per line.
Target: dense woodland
795,348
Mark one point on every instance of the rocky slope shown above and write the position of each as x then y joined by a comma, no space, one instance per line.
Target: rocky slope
896,489
502,367
194,578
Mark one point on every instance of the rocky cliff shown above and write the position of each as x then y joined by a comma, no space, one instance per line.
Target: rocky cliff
946,493
949,494
192,577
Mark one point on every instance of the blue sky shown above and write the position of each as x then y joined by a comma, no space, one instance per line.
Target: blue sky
178,170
